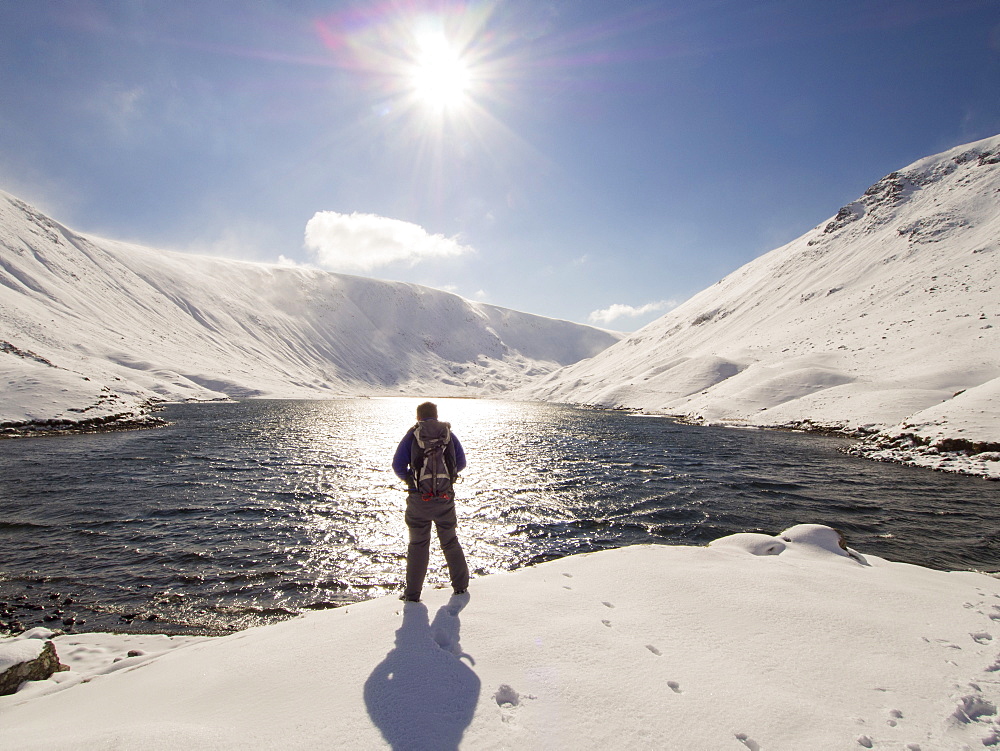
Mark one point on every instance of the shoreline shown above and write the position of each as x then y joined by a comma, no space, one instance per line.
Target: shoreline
951,455
43,428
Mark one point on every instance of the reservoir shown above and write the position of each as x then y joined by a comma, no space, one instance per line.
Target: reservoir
241,513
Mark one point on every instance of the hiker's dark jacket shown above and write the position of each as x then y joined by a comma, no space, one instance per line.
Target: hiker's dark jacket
401,461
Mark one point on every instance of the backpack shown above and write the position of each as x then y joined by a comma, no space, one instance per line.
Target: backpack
432,459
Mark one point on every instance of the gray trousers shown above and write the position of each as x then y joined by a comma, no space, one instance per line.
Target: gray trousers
420,514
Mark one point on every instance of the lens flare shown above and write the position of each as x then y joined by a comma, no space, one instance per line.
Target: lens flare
430,88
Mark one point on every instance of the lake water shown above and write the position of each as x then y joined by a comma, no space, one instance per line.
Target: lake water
238,514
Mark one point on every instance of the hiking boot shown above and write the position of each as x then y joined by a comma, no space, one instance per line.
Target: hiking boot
404,598
460,591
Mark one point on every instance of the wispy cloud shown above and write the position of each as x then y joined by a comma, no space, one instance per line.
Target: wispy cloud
362,242
616,311
122,107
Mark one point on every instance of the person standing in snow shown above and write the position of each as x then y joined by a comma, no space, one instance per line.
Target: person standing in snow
428,459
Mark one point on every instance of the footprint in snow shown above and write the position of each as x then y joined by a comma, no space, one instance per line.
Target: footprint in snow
982,637
606,622
943,642
654,650
894,716
675,687
607,604
568,576
748,742
973,706
509,700
505,696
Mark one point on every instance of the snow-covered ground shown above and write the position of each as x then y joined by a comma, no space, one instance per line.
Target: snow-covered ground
885,319
754,642
93,328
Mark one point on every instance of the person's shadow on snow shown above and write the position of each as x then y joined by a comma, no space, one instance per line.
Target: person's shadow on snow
423,694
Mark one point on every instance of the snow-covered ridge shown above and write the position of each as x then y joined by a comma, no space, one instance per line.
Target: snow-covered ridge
92,329
883,320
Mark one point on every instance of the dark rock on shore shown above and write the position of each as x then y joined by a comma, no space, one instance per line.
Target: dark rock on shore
37,669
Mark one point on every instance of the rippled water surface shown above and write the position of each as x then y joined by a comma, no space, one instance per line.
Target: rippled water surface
241,513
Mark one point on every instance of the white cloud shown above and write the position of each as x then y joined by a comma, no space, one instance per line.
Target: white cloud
616,311
362,242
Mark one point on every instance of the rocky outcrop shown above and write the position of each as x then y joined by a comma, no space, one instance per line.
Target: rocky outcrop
38,668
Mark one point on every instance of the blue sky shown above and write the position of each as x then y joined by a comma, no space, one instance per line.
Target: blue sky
587,155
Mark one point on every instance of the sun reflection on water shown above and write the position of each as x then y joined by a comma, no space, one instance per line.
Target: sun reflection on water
350,504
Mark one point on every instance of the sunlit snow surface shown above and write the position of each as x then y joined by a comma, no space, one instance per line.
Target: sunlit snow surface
884,318
93,328
775,643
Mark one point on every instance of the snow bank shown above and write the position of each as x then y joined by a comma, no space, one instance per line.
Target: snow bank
884,319
754,642
15,651
40,394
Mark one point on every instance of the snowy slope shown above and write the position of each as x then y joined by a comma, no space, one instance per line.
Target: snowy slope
754,642
885,318
91,328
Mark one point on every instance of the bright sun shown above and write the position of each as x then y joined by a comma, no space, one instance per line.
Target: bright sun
440,77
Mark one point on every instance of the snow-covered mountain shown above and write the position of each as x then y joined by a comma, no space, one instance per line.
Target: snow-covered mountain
91,329
886,319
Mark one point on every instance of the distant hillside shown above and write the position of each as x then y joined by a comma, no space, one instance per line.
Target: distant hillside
91,329
886,318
